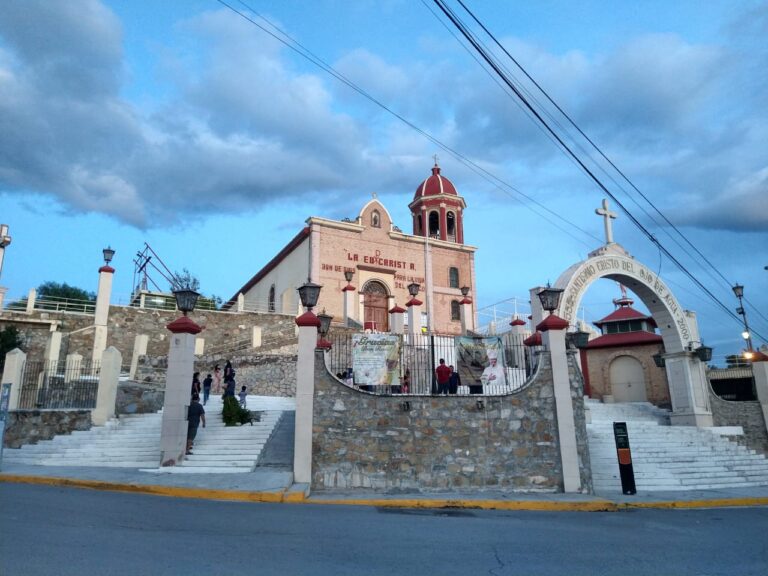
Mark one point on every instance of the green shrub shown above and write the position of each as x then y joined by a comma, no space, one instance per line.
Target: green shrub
233,414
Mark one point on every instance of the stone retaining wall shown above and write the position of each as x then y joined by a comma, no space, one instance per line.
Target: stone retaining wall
748,415
508,443
138,398
263,374
31,426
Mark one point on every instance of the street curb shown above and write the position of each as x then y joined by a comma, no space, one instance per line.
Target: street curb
293,496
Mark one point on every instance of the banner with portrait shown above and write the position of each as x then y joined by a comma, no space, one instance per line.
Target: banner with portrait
480,362
376,359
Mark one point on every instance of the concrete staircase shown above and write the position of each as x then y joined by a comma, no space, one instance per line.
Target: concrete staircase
668,457
133,441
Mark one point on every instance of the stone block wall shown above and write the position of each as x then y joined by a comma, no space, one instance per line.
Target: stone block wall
748,415
35,329
138,398
508,443
31,426
263,374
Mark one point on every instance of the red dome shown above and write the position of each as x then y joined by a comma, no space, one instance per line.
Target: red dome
435,185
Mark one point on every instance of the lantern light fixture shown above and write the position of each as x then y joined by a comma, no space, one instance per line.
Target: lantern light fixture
309,293
413,289
550,298
108,255
186,298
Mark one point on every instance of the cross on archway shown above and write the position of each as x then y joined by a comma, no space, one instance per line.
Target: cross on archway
607,217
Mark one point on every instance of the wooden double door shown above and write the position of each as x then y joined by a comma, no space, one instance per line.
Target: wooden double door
376,306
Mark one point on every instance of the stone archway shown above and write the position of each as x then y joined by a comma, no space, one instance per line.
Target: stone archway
375,306
679,331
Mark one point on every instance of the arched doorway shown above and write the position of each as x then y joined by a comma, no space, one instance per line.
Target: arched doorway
376,306
688,386
627,380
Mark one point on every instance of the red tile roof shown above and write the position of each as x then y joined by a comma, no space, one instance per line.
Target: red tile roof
624,339
624,313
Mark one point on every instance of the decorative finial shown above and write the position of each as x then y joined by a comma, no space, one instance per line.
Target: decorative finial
436,157
373,195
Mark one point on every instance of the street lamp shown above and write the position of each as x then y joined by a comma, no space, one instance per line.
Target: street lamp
464,291
738,291
186,298
579,338
108,255
325,326
413,289
348,273
309,292
550,298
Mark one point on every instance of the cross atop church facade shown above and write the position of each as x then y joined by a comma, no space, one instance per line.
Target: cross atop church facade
436,157
607,217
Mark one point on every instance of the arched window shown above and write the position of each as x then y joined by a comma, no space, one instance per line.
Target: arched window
420,224
271,303
434,224
453,277
451,225
376,219
455,310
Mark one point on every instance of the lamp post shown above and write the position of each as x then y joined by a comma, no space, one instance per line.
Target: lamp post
108,253
309,292
550,298
325,326
738,290
348,274
413,289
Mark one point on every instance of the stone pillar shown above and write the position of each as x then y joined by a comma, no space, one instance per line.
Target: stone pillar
348,294
139,349
256,337
414,315
2,296
53,349
31,298
760,372
101,316
465,313
397,320
689,390
12,372
553,335
240,302
142,299
517,334
111,361
178,384
537,312
308,324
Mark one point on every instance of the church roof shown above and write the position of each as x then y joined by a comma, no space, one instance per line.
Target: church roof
435,185
624,339
625,313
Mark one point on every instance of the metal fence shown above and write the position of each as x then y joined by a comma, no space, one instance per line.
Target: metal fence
47,385
54,304
420,355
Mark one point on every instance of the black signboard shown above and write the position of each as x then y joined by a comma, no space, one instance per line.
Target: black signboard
624,454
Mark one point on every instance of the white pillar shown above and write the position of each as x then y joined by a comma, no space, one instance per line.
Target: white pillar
31,298
760,371
349,309
53,349
467,318
73,367
111,360
518,335
256,337
553,337
178,386
688,389
139,349
101,316
12,372
2,296
397,320
308,324
5,240
537,312
414,315
240,302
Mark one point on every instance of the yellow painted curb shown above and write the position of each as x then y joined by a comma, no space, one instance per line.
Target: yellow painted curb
154,489
531,505
711,503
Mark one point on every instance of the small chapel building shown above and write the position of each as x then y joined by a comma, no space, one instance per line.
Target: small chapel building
381,261
618,365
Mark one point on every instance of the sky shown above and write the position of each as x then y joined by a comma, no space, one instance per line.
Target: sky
184,125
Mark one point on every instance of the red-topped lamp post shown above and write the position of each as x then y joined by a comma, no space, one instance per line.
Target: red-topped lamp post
552,330
178,382
465,311
308,324
101,313
414,309
325,326
349,297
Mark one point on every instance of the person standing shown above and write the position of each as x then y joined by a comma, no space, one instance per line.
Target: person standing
217,379
405,382
443,374
229,372
207,388
243,394
196,388
454,381
195,415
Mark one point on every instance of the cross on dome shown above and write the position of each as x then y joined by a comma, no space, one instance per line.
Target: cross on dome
607,217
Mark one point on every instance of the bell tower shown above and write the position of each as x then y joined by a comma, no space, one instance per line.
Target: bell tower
437,209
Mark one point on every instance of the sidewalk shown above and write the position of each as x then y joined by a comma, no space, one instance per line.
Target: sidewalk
275,484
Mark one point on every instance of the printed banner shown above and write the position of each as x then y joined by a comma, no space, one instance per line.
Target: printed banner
376,359
480,362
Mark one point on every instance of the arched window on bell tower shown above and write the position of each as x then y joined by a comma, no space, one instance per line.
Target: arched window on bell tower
451,226
434,224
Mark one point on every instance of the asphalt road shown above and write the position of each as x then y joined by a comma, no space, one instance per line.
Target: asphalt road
69,531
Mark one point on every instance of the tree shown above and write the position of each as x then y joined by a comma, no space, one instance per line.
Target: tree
9,339
185,280
64,291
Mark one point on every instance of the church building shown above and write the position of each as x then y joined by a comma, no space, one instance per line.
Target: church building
618,365
365,265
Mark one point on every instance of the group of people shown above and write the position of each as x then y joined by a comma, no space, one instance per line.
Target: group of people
448,379
196,412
